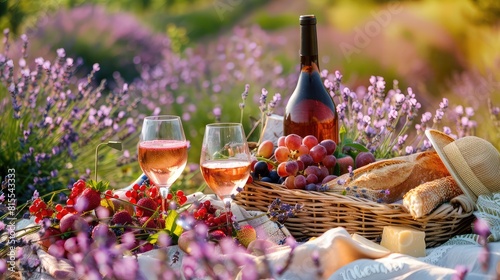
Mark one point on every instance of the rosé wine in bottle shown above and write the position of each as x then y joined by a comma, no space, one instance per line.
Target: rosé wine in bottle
225,176
310,109
163,160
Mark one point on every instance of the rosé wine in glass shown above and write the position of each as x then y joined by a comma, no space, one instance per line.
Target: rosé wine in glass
162,151
163,160
225,176
225,161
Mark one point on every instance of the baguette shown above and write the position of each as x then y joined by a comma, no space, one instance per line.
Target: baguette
388,180
423,199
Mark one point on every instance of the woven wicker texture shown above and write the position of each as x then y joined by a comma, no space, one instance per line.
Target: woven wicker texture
326,210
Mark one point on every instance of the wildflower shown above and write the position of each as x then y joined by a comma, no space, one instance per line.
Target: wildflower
280,212
409,150
469,111
35,195
481,228
263,99
3,266
217,111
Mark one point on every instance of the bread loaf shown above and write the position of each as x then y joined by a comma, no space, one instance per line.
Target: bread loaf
388,180
421,200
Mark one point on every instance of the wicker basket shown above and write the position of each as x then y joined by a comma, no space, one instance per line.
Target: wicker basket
325,210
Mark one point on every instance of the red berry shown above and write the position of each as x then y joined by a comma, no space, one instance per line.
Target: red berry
122,217
80,184
148,222
70,201
59,207
90,199
146,207
182,200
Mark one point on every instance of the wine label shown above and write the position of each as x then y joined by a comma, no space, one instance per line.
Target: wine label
274,128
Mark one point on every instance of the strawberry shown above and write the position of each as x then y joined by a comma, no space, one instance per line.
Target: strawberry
246,234
146,207
145,246
122,217
160,221
73,222
88,200
148,222
216,235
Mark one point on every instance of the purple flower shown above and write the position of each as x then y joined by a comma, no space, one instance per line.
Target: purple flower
217,111
35,195
469,111
409,150
443,104
482,228
61,53
461,272
3,266
426,117
393,114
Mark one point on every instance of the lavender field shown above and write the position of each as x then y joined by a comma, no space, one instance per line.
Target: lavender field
78,78
76,75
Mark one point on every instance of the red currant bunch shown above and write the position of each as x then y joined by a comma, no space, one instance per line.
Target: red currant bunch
63,211
180,197
205,212
109,194
40,210
136,193
78,188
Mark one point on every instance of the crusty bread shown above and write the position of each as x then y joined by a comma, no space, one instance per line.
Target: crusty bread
388,180
424,198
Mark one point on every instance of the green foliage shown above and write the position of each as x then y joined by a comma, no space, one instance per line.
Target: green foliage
53,121
273,22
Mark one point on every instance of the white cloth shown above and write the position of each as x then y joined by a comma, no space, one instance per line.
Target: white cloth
341,257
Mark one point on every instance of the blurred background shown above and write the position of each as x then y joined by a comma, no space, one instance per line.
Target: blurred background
194,57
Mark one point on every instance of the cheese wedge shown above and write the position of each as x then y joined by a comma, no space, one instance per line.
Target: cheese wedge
404,241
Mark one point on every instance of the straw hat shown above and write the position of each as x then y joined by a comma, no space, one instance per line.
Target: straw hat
473,162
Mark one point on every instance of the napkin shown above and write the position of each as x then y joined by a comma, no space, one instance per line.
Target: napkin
319,257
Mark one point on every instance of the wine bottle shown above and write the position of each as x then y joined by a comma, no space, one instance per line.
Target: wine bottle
310,109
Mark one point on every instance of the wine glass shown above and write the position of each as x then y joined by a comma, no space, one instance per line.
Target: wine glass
163,151
225,161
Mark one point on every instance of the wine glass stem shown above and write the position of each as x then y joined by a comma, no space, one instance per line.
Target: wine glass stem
227,206
164,196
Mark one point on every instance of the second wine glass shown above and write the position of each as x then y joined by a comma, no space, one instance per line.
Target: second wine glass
163,151
225,161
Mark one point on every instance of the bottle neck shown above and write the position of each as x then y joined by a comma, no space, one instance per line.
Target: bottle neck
308,47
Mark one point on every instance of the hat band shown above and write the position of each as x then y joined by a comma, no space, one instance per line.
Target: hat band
463,170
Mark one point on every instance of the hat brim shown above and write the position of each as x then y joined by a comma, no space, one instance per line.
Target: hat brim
439,140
